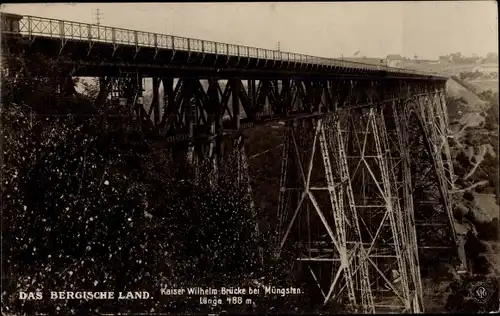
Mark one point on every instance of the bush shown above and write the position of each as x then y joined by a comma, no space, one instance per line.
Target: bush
489,231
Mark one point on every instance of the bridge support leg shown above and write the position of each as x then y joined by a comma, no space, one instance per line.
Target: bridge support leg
188,106
375,160
399,127
155,102
362,221
331,244
236,87
213,157
433,207
244,178
105,88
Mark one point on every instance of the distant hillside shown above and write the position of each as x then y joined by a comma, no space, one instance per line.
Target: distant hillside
473,116
458,90
482,85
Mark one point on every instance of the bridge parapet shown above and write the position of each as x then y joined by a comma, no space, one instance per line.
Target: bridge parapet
33,26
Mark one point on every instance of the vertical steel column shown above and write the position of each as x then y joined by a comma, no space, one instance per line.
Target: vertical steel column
215,124
360,265
189,116
168,96
214,100
105,87
252,95
338,217
427,116
392,203
155,102
401,125
235,87
286,96
442,116
380,218
282,212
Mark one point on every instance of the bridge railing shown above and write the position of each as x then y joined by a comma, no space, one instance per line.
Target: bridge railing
53,28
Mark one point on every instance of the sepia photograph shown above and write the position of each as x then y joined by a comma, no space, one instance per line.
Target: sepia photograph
249,158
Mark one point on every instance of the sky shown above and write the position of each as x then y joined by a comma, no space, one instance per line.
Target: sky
426,29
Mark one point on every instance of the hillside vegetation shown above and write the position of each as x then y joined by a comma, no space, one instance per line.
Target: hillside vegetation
90,204
473,114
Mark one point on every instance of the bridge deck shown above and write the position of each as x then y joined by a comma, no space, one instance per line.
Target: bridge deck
117,47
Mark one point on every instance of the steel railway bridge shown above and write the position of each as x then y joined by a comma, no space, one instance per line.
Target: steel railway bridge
366,167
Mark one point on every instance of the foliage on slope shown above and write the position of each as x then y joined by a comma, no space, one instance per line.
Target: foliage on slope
90,205
475,150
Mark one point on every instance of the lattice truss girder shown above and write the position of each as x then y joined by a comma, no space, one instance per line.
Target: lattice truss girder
192,106
356,209
185,96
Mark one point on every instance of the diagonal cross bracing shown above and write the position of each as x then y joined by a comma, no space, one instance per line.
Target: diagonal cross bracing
367,171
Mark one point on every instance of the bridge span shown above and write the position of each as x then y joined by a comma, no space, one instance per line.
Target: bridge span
366,166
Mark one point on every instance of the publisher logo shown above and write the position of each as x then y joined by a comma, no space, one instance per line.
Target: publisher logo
481,292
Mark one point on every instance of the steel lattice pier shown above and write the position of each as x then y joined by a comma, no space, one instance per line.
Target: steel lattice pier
355,204
366,167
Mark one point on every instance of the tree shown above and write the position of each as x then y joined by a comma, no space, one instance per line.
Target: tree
91,204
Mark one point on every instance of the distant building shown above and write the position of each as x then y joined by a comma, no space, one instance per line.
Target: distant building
395,61
491,58
455,57
466,60
444,59
395,57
